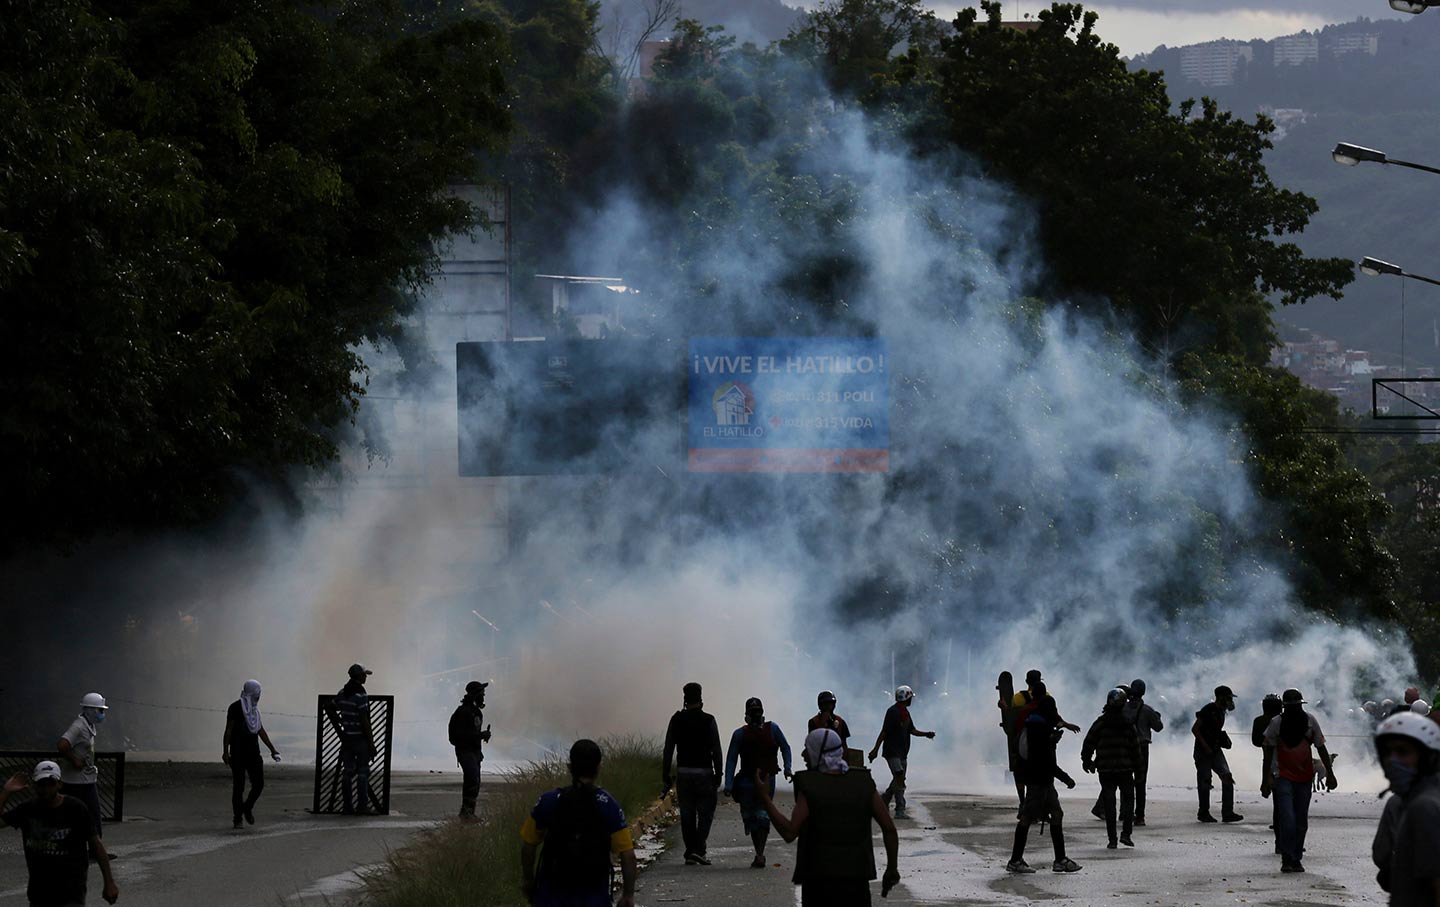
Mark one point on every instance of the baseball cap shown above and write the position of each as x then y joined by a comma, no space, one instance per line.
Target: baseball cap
1224,692
1032,675
46,771
1292,697
473,688
358,670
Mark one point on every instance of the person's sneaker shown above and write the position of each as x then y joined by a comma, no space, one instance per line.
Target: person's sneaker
758,862
1299,867
1289,867
239,823
249,817
1019,866
1127,841
1204,816
900,813
690,859
1112,846
1097,812
1139,821
1232,817
1065,865
700,859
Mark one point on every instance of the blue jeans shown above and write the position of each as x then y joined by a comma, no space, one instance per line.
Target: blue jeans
1292,804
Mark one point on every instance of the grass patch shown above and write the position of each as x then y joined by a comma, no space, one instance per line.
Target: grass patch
478,865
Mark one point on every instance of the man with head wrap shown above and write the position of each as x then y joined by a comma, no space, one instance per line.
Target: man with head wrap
241,751
834,806
78,775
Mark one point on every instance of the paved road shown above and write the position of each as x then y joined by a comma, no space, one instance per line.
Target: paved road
176,845
954,851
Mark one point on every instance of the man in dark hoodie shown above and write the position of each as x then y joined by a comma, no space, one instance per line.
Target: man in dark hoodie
694,739
357,747
1042,731
1112,748
1211,741
467,734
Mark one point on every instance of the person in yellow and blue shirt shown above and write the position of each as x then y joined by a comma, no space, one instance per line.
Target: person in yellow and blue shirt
570,837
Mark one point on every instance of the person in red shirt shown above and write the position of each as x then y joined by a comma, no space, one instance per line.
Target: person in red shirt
1290,742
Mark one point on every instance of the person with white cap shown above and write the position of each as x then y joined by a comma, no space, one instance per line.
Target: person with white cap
1420,707
834,806
895,734
78,774
1407,843
357,745
58,840
241,751
1290,774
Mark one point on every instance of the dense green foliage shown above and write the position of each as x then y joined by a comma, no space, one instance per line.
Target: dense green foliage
206,210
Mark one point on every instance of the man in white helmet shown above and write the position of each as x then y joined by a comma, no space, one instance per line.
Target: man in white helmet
58,840
895,735
78,775
1407,843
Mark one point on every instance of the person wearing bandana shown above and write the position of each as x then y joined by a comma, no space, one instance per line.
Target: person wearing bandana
241,751
834,806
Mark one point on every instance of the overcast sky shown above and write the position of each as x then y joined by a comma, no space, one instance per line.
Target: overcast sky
1138,26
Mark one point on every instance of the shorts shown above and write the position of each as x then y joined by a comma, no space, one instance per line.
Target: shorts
1042,803
753,814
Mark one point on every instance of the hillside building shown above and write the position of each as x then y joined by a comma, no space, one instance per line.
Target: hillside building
1214,62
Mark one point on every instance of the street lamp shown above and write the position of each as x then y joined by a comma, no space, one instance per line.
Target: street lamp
1412,6
1353,155
1376,268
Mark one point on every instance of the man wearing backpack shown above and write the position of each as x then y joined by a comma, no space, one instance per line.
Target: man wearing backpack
467,734
693,739
1290,773
1042,803
755,746
1112,748
581,826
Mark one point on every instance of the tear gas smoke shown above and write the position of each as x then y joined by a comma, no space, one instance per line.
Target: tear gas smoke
1049,505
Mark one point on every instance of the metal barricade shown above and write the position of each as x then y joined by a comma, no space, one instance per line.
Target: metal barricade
329,773
111,766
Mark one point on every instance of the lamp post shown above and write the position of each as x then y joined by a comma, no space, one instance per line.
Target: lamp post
1374,267
1412,6
1354,155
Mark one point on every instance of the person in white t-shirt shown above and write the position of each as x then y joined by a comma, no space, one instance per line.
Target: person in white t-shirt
79,778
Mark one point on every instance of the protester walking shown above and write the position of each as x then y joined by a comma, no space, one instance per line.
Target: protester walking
693,739
58,837
357,744
826,718
1147,722
79,776
895,736
1407,842
1112,749
1290,745
1270,707
755,746
1008,719
1211,741
834,806
582,827
1042,732
244,731
468,732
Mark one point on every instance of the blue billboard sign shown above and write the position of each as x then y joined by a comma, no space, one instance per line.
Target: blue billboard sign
788,404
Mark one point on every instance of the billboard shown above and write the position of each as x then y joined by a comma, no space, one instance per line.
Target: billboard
567,407
788,404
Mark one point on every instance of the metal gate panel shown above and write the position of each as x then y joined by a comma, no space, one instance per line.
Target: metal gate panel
111,766
329,798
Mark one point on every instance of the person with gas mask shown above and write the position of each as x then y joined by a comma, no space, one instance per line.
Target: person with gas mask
1040,735
1112,748
468,733
1211,741
754,747
79,777
895,734
1290,744
834,806
1407,843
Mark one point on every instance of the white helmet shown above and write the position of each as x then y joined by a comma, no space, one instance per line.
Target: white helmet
1420,707
93,701
904,694
1408,724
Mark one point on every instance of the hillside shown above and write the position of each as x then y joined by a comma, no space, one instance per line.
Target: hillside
758,21
1389,100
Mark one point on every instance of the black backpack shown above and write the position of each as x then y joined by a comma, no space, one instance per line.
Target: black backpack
576,852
